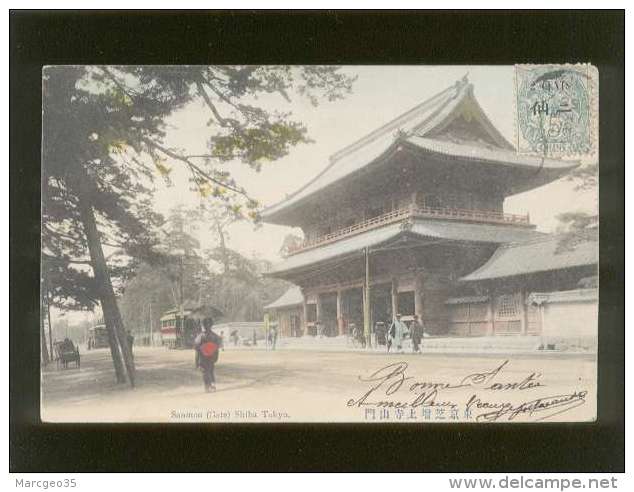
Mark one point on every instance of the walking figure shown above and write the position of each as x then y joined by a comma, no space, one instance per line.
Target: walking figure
417,331
206,346
396,333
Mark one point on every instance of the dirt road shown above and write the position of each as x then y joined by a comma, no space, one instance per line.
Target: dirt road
310,386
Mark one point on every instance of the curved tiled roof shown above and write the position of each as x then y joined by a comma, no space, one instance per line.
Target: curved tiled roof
436,229
564,296
292,297
420,128
489,154
552,252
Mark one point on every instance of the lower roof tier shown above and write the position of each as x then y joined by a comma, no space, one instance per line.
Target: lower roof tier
544,254
416,228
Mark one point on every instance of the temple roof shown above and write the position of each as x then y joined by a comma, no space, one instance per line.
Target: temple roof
467,300
552,252
450,124
419,228
564,296
292,297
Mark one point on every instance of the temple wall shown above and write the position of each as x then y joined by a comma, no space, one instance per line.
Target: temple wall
570,324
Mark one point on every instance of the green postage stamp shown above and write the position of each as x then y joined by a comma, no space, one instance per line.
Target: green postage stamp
556,110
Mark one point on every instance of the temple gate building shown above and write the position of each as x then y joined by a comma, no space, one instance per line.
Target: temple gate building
397,221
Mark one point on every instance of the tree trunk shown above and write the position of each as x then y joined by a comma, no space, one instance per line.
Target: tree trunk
50,324
119,346
44,349
223,247
225,264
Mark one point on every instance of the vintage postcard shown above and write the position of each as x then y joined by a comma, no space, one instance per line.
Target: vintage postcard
368,244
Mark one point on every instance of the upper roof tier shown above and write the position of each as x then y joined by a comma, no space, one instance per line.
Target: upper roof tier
450,126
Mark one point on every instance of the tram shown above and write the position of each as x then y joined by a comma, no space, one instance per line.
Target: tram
98,336
177,332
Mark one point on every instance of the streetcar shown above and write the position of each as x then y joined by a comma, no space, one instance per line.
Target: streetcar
98,336
177,332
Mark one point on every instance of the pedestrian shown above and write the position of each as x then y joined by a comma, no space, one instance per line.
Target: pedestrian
396,333
255,338
222,340
416,330
206,346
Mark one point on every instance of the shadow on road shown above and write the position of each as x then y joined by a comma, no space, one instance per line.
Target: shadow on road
167,373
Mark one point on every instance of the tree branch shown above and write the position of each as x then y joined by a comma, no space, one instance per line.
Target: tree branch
193,167
119,85
224,122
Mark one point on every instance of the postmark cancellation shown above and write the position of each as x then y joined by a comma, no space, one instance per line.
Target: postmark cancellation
556,110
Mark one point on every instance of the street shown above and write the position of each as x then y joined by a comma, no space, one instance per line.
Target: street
312,386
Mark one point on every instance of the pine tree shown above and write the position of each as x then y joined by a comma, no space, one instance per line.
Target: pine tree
104,144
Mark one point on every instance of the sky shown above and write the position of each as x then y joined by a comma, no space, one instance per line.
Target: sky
380,94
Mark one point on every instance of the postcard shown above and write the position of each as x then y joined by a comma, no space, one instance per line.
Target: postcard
354,244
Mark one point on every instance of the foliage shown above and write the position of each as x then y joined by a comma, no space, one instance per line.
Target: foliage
576,228
110,121
586,177
241,293
290,242
576,222
219,276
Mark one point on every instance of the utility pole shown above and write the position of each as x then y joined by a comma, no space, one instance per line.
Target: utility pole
367,322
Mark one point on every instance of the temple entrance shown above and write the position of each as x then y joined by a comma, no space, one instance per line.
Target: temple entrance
406,304
311,318
329,314
381,305
352,309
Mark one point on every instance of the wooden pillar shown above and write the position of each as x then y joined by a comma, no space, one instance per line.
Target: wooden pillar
418,296
304,324
490,315
340,329
367,308
394,297
318,310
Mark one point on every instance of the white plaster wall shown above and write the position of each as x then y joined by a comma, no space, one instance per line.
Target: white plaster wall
571,323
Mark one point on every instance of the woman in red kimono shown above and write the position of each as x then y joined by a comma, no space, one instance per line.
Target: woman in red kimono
207,345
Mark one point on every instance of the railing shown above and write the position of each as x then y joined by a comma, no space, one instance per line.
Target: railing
464,215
